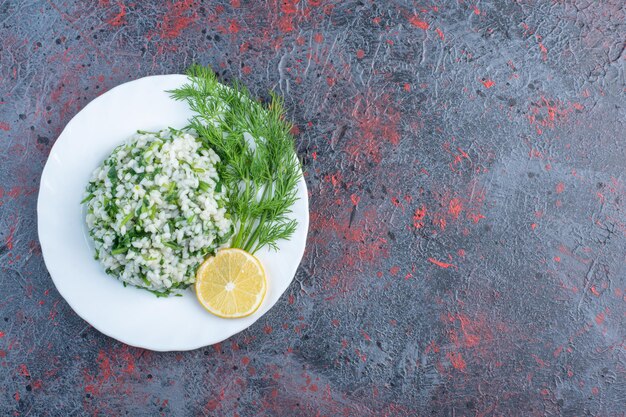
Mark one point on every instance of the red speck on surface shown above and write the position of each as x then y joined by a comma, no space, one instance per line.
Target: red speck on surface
361,355
431,347
439,263
457,361
455,208
355,199
366,336
179,16
440,33
289,6
2,334
318,37
540,362
459,155
419,23
418,217
9,241
397,203
472,333
407,87
285,24
233,26
600,318
549,113
440,220
360,54
94,383
14,192
560,187
544,51
120,18
235,3
212,405
104,364
5,126
23,370
394,270
488,83
378,121
127,360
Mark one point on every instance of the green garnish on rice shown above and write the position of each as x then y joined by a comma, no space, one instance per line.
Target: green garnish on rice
163,201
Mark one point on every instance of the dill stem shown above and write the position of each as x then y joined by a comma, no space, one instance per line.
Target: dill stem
254,233
243,220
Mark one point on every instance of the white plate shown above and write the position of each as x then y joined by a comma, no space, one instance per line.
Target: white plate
132,315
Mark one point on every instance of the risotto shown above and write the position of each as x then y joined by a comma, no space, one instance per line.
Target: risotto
156,209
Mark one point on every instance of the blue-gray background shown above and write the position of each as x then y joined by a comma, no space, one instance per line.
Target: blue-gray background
465,161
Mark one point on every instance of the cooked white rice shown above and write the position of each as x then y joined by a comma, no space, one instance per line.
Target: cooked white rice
155,209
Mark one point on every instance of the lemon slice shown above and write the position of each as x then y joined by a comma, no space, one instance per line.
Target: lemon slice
231,284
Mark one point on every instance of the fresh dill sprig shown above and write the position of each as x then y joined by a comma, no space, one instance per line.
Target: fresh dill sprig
259,165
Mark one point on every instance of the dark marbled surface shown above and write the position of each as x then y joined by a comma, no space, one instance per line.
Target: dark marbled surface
467,248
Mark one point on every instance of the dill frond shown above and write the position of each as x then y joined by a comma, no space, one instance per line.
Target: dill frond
259,165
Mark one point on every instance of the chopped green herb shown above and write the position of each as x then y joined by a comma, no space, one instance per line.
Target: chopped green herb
159,294
172,245
145,280
127,218
119,251
204,186
112,174
88,198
